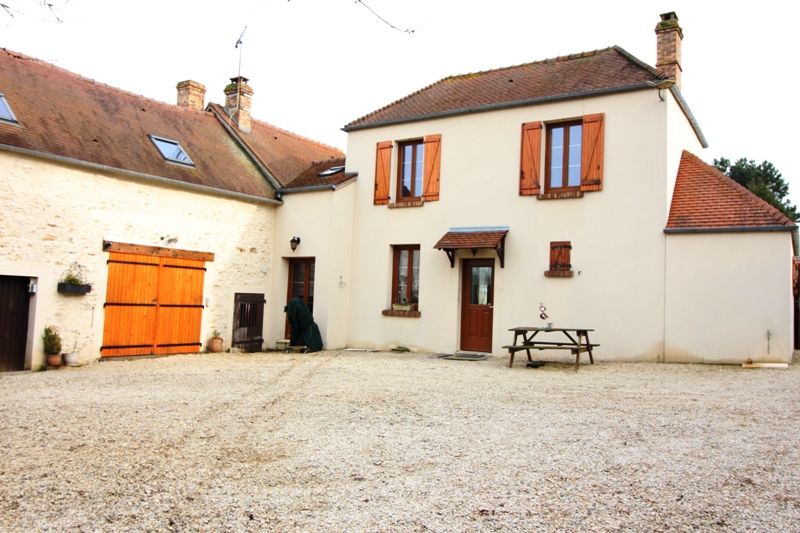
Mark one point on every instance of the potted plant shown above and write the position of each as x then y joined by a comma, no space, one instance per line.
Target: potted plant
71,354
215,342
73,281
52,346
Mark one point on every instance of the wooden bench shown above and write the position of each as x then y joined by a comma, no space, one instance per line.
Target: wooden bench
542,345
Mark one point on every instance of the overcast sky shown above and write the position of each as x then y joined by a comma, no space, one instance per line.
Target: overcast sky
316,65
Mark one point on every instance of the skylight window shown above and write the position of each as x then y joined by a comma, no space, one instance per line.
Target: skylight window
5,110
171,150
330,172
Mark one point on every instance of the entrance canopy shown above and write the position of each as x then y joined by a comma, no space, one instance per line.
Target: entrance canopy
473,238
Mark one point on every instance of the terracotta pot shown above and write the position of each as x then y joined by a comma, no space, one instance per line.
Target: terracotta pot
54,360
215,344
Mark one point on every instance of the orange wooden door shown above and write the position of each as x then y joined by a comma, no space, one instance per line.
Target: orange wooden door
153,305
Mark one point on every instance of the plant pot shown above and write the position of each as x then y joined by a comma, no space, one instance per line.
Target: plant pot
215,344
401,307
71,288
54,360
71,358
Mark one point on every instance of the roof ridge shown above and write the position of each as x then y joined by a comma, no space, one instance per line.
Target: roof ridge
81,77
752,197
639,63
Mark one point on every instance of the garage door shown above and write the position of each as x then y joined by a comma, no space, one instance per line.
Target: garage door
154,302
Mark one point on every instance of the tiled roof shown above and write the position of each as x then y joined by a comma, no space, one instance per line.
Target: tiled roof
705,199
286,155
66,115
608,70
466,239
311,176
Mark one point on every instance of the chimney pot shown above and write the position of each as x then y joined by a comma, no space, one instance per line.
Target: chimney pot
191,94
238,95
669,36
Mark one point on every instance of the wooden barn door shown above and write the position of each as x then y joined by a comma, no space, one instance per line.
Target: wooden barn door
154,303
248,321
14,304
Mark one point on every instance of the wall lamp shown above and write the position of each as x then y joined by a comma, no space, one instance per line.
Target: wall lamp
294,242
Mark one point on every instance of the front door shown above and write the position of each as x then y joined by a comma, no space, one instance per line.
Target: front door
14,305
477,305
301,283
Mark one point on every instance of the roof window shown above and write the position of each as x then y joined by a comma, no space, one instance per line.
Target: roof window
5,110
331,171
171,150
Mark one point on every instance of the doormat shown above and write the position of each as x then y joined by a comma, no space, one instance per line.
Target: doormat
465,357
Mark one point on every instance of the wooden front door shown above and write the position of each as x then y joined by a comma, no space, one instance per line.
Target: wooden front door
477,304
153,306
14,304
301,283
248,321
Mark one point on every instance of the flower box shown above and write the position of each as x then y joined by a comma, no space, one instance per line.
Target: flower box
71,288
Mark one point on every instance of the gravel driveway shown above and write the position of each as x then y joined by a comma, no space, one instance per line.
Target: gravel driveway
344,441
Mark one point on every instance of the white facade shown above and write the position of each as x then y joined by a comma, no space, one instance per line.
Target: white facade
56,214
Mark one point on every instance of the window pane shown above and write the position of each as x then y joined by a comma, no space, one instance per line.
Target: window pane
171,150
418,171
407,170
574,171
557,157
415,277
5,110
402,277
481,283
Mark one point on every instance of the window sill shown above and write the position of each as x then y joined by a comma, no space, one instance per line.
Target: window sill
559,273
407,203
407,314
559,195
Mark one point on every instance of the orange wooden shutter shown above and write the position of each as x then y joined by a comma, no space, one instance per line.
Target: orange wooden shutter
383,162
530,159
592,152
560,265
433,149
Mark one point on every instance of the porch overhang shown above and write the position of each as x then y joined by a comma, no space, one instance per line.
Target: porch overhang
474,239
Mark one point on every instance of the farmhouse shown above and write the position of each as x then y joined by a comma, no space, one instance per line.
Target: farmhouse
572,182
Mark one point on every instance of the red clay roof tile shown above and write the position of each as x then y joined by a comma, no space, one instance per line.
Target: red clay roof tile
577,75
706,199
459,239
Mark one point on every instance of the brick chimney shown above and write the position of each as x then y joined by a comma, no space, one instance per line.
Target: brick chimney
668,47
191,94
237,102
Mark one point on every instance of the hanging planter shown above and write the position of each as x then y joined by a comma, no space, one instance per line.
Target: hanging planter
73,281
74,288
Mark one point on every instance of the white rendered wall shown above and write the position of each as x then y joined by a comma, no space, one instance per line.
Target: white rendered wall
729,297
55,214
616,234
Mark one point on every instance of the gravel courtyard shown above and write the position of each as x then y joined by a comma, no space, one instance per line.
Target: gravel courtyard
346,441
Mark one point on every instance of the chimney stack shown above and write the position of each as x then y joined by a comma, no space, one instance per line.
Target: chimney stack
668,47
191,94
237,102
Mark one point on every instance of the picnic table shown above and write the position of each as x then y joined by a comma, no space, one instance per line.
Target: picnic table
576,340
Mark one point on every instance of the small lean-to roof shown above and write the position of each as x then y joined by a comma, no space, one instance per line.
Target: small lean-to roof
469,238
75,119
285,155
329,174
607,71
707,201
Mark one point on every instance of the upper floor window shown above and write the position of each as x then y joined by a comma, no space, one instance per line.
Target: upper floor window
411,163
564,155
171,150
5,110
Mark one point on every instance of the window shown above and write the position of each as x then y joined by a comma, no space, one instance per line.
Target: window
405,277
410,170
560,266
563,166
5,110
171,150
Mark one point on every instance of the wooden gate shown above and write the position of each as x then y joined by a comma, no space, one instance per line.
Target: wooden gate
14,304
248,321
154,301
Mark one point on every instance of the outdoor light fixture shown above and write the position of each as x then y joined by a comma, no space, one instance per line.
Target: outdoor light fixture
294,242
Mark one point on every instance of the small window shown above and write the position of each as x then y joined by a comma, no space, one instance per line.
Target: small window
331,171
5,110
405,277
560,266
411,163
563,166
171,150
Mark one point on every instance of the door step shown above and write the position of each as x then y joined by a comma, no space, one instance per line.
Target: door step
466,356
